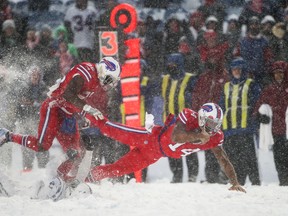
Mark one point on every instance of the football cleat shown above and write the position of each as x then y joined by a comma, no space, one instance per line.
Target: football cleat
4,136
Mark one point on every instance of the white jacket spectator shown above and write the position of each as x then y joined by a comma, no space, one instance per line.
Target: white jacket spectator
80,21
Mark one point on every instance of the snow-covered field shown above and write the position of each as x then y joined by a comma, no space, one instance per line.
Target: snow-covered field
158,197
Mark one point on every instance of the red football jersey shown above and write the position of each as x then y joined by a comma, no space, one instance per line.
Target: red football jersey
91,82
176,150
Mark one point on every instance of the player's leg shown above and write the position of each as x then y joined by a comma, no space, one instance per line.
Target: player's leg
192,166
69,138
176,166
47,130
135,160
132,136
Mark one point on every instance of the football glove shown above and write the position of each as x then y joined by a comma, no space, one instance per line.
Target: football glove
149,122
264,119
93,111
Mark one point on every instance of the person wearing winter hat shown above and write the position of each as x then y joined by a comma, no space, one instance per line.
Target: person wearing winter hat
267,24
238,124
233,33
10,38
255,50
276,96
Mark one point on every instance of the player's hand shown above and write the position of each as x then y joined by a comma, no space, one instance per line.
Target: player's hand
93,111
237,187
204,136
149,122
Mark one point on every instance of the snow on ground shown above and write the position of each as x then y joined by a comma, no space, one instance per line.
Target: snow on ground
158,197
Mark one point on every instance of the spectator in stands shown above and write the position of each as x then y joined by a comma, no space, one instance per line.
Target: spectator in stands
10,40
32,39
258,8
30,99
215,8
279,44
5,11
153,56
45,53
213,49
211,24
66,60
192,61
80,22
153,50
36,5
61,34
237,101
233,34
266,27
172,34
196,22
276,96
177,87
255,50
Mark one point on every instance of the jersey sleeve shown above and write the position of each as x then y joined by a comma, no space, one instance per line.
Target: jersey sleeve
218,138
68,14
84,71
189,118
95,13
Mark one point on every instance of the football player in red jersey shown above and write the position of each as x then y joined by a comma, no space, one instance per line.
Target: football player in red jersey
188,133
66,98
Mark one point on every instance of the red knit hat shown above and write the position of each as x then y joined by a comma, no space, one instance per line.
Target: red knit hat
279,66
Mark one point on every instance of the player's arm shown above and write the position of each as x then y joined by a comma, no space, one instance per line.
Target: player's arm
228,168
71,96
72,90
181,135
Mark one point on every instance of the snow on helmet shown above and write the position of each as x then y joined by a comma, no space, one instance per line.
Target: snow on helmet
210,117
108,72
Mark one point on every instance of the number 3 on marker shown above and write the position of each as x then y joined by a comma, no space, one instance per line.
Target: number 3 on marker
109,43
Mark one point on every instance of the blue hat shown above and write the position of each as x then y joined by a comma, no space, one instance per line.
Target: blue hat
238,63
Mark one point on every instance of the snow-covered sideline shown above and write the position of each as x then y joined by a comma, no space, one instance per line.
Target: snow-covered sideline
158,197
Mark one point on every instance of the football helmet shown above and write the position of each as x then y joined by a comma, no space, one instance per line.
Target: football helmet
57,189
210,116
108,72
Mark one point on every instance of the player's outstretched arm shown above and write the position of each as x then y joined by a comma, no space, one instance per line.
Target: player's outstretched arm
228,168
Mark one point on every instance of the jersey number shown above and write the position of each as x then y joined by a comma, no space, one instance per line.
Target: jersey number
185,152
80,23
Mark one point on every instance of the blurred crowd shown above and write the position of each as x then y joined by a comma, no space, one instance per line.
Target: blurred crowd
238,60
